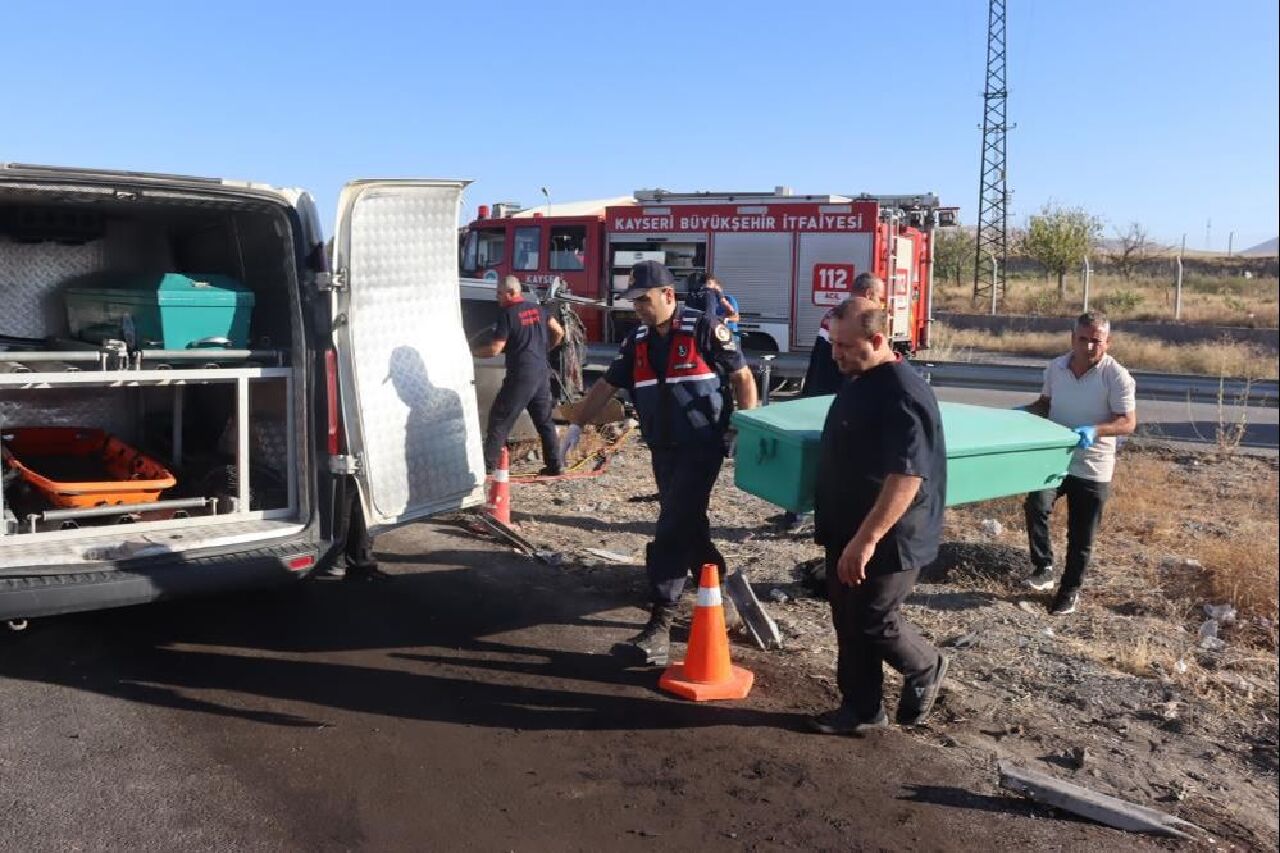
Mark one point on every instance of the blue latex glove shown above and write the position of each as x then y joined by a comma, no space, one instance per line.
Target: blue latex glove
571,438
1088,436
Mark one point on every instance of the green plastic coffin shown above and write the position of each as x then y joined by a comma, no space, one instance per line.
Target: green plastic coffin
991,453
170,311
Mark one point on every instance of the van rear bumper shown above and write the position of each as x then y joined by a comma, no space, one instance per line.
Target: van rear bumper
75,589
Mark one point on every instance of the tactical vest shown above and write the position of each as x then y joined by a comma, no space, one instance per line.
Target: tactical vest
686,403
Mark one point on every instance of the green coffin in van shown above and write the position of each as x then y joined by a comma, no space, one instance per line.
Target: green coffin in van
171,311
991,453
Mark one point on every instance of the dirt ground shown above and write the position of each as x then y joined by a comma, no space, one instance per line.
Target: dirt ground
1119,697
468,703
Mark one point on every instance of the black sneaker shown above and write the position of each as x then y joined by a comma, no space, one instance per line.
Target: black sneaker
1041,579
918,695
551,471
1066,602
846,721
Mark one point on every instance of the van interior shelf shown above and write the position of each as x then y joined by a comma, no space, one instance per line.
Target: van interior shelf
61,479
111,358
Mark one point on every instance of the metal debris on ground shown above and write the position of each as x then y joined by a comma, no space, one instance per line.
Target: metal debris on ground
759,624
1102,808
611,556
483,523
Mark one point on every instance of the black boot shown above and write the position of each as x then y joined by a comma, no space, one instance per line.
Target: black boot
652,646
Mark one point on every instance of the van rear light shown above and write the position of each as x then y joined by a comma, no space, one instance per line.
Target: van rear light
334,420
300,562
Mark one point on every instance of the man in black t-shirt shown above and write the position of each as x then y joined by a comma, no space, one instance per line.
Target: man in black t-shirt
881,489
525,334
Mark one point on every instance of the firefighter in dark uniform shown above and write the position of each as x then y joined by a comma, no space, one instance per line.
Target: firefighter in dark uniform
676,366
525,334
823,376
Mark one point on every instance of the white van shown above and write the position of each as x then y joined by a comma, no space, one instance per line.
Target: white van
359,377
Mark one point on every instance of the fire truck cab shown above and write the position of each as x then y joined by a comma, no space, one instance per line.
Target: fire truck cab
786,258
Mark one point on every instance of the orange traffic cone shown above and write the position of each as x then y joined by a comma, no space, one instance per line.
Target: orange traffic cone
499,505
706,672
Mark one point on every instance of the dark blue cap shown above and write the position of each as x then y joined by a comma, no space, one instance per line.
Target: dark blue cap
647,275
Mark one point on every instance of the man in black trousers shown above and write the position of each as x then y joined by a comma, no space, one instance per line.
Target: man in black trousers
684,373
879,500
524,334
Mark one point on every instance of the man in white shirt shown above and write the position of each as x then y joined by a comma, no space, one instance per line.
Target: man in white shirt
1090,392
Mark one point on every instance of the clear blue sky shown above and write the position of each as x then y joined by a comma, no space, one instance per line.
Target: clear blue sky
1164,113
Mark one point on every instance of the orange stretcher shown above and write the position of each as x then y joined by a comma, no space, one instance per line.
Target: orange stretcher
74,467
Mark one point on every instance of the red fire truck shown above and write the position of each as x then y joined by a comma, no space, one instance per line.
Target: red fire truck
786,258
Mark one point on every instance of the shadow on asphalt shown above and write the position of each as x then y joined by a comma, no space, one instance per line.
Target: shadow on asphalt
427,645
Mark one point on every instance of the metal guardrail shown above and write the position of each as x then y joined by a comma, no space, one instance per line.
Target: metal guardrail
1150,386
1012,377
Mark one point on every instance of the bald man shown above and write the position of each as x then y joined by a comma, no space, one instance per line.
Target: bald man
882,481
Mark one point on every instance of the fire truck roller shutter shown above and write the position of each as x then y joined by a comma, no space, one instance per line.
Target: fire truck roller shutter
756,268
899,287
823,249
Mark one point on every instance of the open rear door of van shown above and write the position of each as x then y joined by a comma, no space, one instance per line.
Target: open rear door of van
405,372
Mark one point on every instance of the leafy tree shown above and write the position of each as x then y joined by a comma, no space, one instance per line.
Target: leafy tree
953,254
1059,238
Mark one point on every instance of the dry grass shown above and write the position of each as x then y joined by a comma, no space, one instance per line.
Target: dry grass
1228,359
1141,655
1174,537
1241,570
1218,300
1225,519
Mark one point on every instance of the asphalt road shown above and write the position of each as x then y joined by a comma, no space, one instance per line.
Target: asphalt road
1190,425
468,704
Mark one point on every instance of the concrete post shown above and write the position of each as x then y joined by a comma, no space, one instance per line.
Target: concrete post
1177,284
1088,279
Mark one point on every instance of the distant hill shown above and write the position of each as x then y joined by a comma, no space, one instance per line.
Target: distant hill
1155,249
1269,249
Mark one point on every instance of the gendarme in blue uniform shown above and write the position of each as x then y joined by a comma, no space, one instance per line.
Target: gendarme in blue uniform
677,381
679,385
